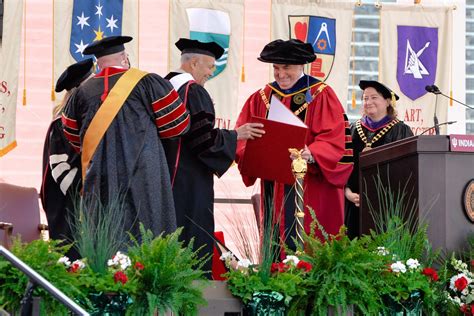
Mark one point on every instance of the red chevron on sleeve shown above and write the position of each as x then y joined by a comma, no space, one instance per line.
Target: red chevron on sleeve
70,123
171,116
170,98
175,130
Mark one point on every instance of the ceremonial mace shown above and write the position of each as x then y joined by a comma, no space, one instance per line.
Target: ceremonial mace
299,167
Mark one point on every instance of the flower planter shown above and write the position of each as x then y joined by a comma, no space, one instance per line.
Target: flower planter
266,303
335,311
413,306
110,304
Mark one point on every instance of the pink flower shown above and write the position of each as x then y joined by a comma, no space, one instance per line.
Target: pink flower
460,283
430,272
139,266
119,276
303,265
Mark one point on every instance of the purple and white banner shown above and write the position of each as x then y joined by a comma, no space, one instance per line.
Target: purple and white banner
415,52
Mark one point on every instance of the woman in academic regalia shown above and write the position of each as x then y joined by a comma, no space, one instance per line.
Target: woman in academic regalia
61,163
378,126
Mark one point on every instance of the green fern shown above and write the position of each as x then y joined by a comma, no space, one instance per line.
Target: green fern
172,278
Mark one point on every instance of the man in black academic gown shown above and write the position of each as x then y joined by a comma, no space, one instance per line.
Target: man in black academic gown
204,151
129,162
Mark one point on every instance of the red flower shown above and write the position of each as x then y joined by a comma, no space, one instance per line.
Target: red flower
139,266
460,283
279,267
303,265
430,272
119,276
74,268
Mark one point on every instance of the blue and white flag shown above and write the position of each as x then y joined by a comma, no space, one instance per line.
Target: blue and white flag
221,22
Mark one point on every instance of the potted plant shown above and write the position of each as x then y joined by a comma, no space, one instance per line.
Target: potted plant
409,282
344,275
170,276
459,289
266,291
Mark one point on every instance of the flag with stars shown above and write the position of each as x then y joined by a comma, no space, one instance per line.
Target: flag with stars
94,21
221,22
78,23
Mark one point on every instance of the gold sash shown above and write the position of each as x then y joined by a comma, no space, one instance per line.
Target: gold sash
106,114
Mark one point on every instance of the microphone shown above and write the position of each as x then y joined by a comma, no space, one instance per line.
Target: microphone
436,126
432,89
435,90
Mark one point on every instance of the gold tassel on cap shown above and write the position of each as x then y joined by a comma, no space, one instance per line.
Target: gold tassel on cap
242,75
394,100
451,97
53,95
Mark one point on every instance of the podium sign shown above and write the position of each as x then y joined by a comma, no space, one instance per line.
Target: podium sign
463,143
435,173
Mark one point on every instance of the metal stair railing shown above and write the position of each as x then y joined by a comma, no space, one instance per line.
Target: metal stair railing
36,279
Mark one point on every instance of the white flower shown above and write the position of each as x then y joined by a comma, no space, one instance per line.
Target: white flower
381,251
79,263
413,264
453,280
459,265
398,267
244,263
293,260
65,260
226,256
121,260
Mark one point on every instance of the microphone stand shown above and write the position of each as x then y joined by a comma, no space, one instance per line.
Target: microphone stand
437,126
435,118
447,96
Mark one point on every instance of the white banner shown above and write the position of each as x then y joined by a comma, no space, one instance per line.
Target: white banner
9,70
415,54
79,23
328,27
221,22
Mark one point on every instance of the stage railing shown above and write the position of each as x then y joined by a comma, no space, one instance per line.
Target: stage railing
36,279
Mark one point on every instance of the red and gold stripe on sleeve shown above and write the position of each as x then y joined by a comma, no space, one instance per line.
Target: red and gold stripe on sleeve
171,116
71,132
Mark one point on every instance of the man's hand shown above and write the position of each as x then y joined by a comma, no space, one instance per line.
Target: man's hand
352,197
305,154
249,131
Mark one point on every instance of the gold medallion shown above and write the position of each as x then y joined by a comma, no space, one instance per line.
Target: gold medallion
299,98
468,200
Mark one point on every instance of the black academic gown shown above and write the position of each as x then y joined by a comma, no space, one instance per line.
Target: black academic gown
203,152
130,161
396,132
61,184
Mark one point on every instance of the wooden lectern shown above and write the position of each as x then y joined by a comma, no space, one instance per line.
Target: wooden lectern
438,174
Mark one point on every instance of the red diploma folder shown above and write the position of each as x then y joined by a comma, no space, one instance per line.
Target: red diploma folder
268,157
